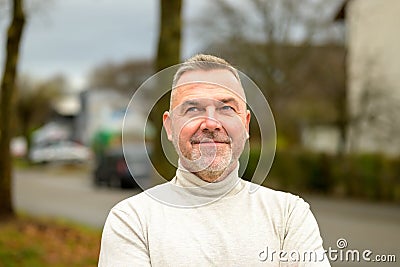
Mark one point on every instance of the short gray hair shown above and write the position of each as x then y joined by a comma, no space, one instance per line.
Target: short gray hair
203,62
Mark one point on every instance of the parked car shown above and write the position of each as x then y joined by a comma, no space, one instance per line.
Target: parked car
62,150
112,168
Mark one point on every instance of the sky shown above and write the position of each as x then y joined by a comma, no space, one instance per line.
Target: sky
72,37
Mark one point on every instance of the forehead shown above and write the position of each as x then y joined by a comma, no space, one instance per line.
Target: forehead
213,84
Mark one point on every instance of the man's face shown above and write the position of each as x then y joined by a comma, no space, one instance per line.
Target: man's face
208,122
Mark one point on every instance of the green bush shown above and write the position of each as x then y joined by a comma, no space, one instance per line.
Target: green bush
366,176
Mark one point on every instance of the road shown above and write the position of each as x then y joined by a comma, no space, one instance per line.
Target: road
364,226
68,193
65,192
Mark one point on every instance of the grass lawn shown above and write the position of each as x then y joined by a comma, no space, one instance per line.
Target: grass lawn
26,241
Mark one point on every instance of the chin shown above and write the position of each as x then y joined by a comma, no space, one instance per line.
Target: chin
211,176
216,171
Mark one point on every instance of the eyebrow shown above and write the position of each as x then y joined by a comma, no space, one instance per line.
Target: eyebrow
230,100
195,103
188,103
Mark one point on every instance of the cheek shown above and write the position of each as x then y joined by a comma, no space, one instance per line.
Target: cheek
235,128
184,131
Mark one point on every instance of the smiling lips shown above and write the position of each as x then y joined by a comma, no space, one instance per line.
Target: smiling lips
214,142
207,138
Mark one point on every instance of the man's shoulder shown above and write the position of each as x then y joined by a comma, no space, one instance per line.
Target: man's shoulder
264,191
277,198
142,200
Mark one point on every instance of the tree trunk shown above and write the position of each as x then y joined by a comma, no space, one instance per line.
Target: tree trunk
169,42
343,115
168,54
14,35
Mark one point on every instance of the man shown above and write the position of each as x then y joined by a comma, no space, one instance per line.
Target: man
207,215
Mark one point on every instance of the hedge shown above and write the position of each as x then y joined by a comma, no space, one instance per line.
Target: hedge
365,176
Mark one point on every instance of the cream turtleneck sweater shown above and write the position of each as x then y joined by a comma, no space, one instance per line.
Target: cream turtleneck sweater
189,222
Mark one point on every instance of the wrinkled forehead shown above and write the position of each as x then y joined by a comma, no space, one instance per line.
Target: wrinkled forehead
213,84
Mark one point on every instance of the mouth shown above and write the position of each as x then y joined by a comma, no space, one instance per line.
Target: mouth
213,142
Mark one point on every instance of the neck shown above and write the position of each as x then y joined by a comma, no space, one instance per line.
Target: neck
227,184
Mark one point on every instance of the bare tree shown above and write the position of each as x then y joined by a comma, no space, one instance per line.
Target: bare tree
322,96
273,45
374,117
14,35
124,77
169,40
168,54
34,103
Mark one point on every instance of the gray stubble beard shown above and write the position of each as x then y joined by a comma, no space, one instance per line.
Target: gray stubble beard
213,167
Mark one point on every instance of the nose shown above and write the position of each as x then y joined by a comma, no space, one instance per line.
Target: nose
210,122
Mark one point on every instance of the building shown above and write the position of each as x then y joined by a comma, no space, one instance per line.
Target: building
373,74
101,109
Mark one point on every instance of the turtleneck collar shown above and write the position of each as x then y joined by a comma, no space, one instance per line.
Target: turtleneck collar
194,185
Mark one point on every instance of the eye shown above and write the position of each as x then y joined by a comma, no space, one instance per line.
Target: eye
192,109
227,108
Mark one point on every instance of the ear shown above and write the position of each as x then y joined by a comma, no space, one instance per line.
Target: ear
167,124
247,123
